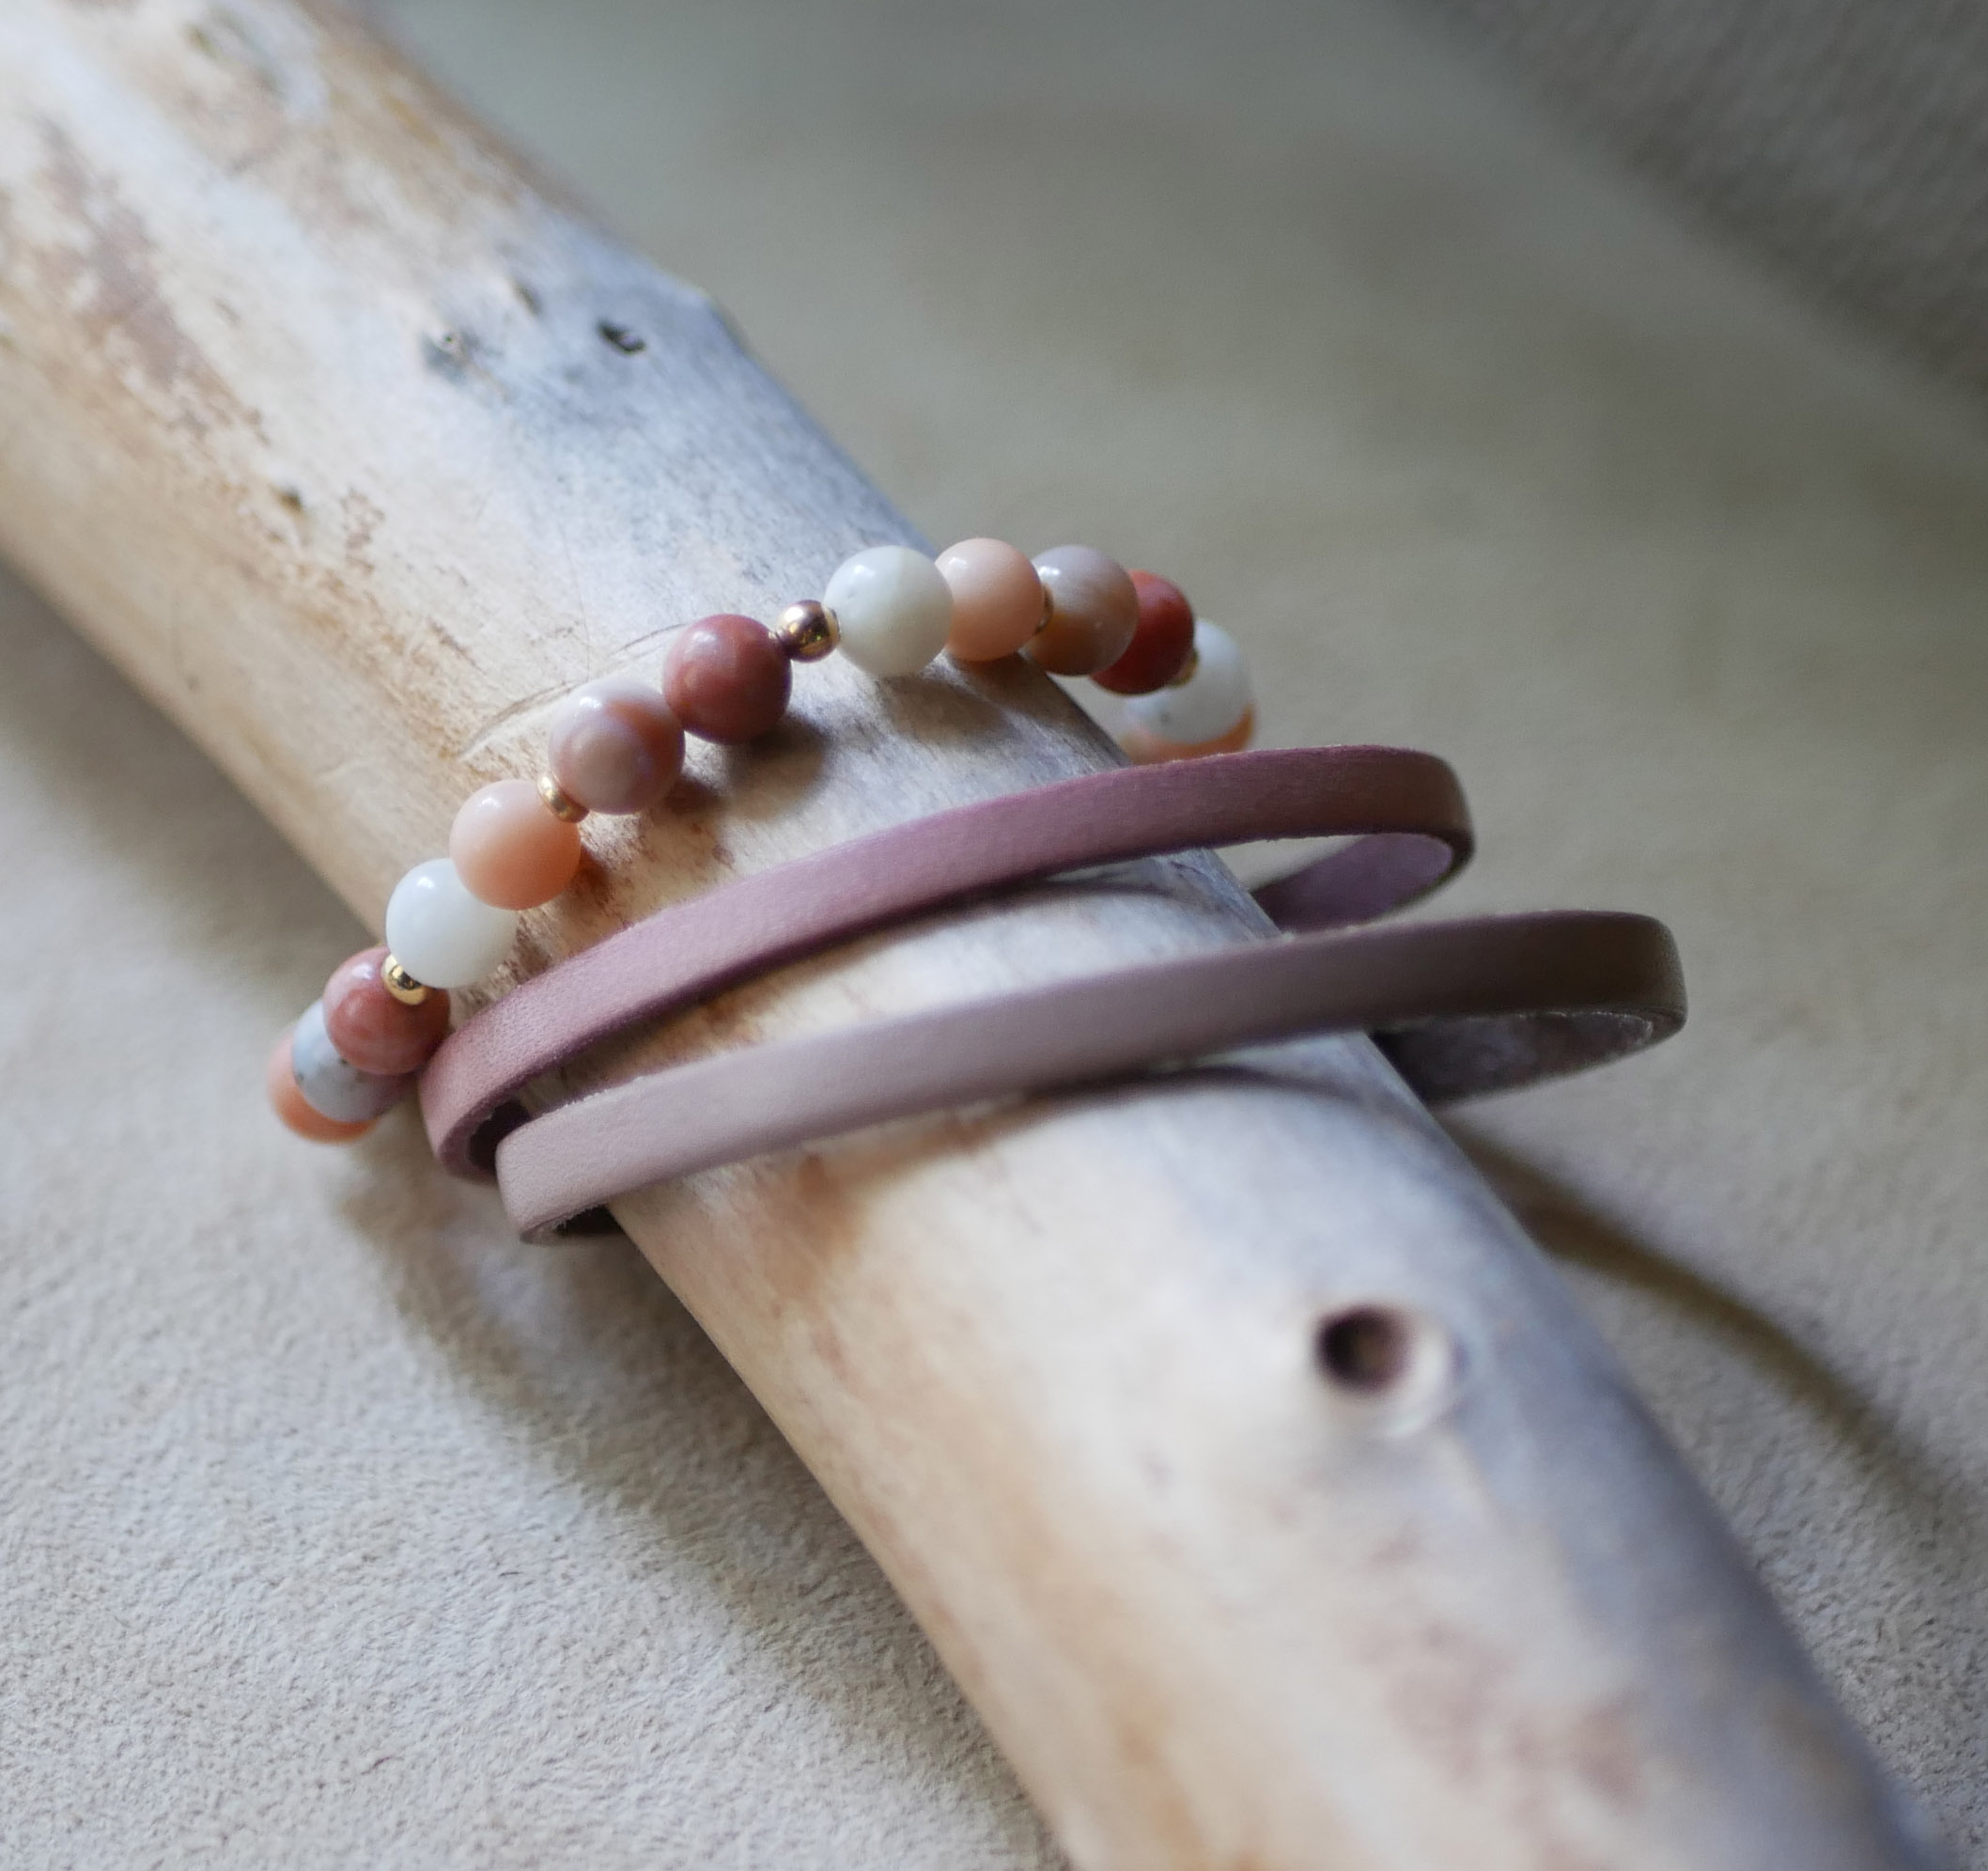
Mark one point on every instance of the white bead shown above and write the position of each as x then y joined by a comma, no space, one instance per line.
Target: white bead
332,1088
440,933
894,608
1209,702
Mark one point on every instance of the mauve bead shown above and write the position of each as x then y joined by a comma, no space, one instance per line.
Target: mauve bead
997,599
1093,611
297,1112
374,1031
726,678
615,746
1161,641
509,850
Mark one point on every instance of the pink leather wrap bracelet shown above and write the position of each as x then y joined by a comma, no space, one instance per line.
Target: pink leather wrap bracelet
1482,1004
1404,810
1462,1007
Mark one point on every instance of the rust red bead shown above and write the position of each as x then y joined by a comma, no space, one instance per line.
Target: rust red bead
1162,640
726,678
368,1028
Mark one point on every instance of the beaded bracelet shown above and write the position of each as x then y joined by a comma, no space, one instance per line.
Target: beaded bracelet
617,747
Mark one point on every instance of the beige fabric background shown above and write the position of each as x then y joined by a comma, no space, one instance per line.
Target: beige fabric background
336,1529
1847,139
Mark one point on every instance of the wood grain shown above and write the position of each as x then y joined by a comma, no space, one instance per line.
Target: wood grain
356,447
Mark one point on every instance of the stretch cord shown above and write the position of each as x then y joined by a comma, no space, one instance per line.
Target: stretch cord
1463,1007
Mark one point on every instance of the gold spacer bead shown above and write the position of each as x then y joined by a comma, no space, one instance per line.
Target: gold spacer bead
401,985
1048,610
807,630
557,804
1187,670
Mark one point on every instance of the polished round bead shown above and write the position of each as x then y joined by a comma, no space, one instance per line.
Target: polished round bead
893,608
331,1086
1093,611
509,850
373,1029
1162,641
442,935
615,746
998,601
1208,706
726,678
1149,750
291,1106
807,630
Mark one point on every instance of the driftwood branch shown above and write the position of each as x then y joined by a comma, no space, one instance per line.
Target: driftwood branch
355,449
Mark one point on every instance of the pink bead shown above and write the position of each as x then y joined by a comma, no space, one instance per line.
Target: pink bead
615,746
297,1112
370,1029
509,850
997,599
726,678
1093,611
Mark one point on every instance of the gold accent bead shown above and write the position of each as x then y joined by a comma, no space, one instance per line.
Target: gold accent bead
401,985
1187,670
807,630
1049,608
557,804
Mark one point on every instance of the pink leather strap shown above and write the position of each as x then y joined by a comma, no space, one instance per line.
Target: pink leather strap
1467,1006
1413,831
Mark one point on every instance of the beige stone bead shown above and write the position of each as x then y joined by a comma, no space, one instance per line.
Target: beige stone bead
892,609
440,935
1149,749
1206,705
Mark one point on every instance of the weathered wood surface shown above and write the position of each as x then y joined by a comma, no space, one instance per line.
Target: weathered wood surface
355,449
